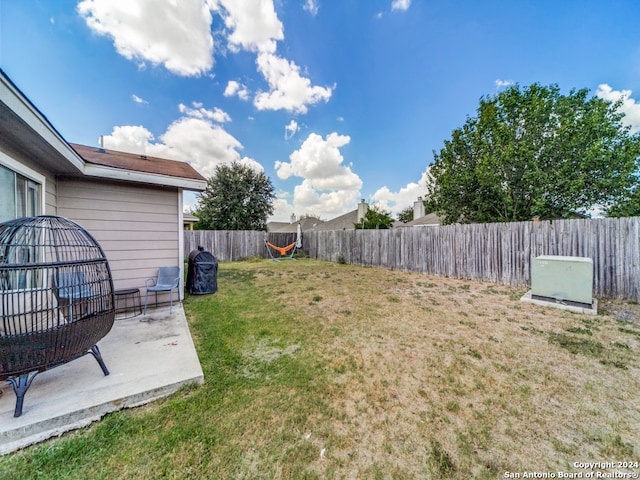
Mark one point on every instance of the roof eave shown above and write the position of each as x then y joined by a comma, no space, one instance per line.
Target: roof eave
30,115
101,171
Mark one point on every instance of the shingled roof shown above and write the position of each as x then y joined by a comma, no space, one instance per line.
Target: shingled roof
136,163
428,220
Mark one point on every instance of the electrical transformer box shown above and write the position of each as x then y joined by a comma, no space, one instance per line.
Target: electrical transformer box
563,278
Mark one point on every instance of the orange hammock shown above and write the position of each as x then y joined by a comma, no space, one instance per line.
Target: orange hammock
283,250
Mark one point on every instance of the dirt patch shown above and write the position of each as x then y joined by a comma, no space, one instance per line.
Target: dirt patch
264,351
620,310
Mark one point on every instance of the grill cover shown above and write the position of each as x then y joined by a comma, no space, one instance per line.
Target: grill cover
202,272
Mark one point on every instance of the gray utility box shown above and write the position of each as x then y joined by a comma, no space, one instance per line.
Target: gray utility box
563,278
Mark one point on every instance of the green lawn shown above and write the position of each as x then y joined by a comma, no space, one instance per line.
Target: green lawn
319,370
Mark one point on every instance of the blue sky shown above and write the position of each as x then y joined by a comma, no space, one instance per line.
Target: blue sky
336,100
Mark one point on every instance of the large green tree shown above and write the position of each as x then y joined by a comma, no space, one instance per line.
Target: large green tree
628,206
375,218
533,151
237,197
406,215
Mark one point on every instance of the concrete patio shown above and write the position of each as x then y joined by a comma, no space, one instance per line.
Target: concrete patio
149,357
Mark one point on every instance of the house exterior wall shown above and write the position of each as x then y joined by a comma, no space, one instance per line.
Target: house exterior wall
138,226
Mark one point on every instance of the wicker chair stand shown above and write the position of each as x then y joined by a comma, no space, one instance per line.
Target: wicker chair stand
56,298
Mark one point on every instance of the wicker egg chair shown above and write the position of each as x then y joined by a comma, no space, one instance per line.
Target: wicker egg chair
56,298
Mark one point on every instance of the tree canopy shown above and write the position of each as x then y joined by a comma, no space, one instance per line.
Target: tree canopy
237,197
375,218
628,206
406,215
534,151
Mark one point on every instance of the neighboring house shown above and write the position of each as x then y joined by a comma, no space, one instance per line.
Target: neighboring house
188,221
306,224
419,218
349,220
132,204
429,220
346,221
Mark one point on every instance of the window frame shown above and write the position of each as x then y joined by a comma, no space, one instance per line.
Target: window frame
34,178
26,281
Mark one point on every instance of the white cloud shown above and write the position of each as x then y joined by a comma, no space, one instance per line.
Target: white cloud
174,34
129,138
282,209
395,202
291,129
236,89
400,4
324,204
178,36
254,24
199,141
196,140
199,111
503,83
311,6
288,89
137,99
255,27
629,107
328,188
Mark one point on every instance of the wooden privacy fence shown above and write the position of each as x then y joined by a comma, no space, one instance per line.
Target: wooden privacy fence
495,252
230,245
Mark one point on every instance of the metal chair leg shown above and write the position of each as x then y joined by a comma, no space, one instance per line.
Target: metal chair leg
95,351
20,388
146,299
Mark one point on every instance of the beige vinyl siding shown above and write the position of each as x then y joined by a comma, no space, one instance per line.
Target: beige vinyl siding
136,225
50,197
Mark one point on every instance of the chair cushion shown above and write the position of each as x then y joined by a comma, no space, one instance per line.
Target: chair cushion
28,310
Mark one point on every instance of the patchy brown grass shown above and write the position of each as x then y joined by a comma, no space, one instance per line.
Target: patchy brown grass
459,378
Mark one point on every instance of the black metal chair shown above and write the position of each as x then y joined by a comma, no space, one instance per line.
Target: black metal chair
56,298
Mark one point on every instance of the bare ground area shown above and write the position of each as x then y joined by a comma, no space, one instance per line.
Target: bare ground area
442,378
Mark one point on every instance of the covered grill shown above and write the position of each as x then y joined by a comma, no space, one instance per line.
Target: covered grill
202,273
56,298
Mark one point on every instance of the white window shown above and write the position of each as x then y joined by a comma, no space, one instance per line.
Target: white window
20,196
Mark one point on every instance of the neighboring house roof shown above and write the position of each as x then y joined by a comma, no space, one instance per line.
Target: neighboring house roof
276,226
343,222
306,224
431,219
137,163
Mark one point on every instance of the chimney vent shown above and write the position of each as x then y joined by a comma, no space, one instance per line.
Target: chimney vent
418,209
363,208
